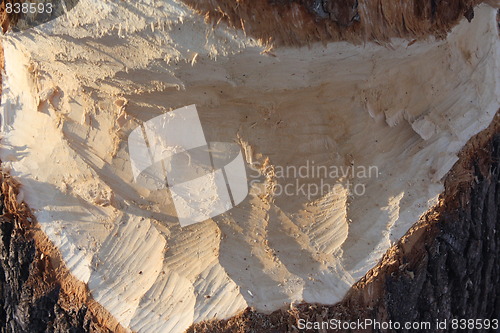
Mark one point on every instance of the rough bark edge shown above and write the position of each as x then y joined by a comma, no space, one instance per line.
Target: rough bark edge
298,22
49,290
449,248
6,19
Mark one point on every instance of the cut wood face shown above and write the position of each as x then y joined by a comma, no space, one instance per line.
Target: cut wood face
344,147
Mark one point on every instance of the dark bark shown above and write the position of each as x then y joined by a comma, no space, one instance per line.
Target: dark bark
459,276
31,299
302,22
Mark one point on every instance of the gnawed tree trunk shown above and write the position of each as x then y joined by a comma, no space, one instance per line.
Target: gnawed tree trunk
81,84
454,248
